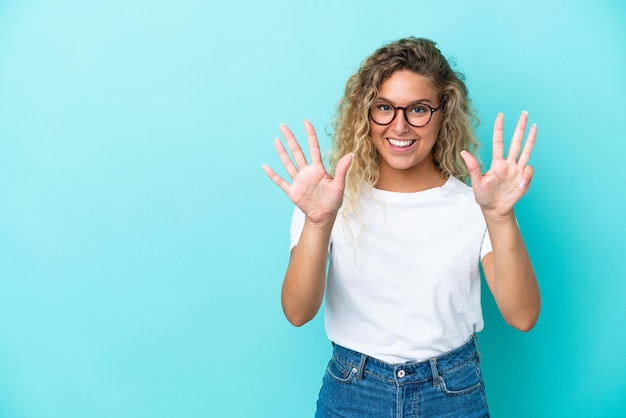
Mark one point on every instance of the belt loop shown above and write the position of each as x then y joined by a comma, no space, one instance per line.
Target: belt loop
476,346
433,369
361,367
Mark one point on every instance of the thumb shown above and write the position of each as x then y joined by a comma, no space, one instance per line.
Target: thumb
473,167
342,168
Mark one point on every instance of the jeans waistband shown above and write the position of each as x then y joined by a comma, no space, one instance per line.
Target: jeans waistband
409,372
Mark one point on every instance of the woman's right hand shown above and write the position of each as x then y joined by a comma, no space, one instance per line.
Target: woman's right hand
318,195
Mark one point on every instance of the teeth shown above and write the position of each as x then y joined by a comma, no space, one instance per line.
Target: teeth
397,143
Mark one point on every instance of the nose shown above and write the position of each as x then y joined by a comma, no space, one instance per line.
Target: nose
399,123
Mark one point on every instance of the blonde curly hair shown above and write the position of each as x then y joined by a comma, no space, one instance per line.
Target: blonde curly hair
351,125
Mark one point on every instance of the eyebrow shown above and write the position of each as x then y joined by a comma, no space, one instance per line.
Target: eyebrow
423,100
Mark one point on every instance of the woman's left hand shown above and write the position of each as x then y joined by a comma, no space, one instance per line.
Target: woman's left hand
507,180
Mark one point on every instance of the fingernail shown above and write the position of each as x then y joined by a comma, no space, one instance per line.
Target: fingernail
522,184
524,112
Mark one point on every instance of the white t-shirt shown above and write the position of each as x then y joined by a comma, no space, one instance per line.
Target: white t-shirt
404,279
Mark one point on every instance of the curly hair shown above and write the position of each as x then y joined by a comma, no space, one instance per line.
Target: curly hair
351,125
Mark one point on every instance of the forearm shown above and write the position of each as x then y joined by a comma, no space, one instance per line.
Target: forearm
512,278
305,280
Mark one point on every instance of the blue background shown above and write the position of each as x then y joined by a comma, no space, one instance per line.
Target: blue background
142,248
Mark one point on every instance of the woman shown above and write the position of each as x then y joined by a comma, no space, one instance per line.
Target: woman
403,237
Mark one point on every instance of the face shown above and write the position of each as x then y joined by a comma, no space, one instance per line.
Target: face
403,149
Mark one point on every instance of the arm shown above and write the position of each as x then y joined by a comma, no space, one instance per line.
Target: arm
305,280
510,275
319,196
508,269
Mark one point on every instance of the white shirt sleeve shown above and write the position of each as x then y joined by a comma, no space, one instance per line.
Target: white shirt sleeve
485,247
297,223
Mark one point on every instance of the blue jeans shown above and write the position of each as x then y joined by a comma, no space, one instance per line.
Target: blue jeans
359,386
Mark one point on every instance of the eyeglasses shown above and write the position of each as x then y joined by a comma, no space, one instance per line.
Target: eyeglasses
416,114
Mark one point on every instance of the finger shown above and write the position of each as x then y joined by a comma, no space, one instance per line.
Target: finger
497,142
342,169
474,168
280,182
527,176
518,137
314,146
284,158
294,147
528,146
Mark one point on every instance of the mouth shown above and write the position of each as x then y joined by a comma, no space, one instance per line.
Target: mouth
401,143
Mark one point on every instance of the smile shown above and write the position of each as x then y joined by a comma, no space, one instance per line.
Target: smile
401,143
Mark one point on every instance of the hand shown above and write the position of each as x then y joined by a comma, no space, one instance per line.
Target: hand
313,190
500,188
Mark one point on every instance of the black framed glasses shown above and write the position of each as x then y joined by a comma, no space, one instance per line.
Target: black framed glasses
416,114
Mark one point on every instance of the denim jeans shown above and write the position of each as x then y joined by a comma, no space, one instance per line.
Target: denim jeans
447,386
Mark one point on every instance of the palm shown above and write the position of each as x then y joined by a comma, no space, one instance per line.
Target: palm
313,190
507,180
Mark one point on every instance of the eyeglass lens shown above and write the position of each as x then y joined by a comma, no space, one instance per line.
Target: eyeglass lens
417,114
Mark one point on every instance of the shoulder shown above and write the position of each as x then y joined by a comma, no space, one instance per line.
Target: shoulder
455,186
456,189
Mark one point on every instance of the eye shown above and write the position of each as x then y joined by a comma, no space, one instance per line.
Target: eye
383,107
418,109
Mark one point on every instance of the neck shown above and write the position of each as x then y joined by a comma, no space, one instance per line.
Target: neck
411,180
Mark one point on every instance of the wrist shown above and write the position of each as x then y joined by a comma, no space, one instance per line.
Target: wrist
322,224
495,218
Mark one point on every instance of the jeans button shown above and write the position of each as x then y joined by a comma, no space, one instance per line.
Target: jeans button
401,374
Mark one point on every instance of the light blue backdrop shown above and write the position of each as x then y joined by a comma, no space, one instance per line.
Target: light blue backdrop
142,248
